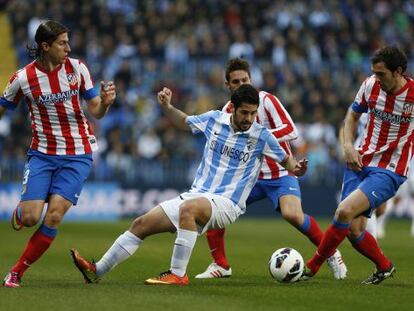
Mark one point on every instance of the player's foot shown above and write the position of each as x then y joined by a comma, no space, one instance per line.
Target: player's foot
12,280
379,276
214,271
87,268
15,221
337,265
306,274
168,278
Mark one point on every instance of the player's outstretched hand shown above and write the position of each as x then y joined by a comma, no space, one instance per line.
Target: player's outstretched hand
164,97
108,93
301,167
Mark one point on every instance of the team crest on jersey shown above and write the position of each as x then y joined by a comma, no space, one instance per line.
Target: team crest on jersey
251,143
408,108
72,79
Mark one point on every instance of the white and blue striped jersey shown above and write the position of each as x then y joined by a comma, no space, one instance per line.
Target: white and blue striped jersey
231,160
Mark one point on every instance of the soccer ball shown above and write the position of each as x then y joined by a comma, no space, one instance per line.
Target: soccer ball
286,265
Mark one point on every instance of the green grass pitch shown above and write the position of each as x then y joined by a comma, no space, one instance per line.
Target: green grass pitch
53,283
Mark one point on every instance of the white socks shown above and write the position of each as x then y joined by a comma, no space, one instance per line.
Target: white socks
124,246
183,246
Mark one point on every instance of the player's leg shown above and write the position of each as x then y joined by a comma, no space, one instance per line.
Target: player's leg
44,235
37,176
153,222
376,187
291,209
193,213
35,187
196,215
363,241
220,268
353,205
215,240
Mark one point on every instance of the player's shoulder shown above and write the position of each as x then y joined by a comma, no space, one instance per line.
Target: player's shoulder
410,81
73,62
21,73
370,81
259,131
211,114
268,98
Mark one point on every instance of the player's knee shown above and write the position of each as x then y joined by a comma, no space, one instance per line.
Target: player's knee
187,211
138,226
293,217
53,219
344,213
29,220
293,214
354,233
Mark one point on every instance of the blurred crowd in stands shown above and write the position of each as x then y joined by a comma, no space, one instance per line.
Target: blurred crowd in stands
312,54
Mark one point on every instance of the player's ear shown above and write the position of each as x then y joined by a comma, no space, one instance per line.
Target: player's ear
45,46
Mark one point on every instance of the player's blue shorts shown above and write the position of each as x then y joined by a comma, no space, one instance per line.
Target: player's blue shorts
274,189
377,184
54,174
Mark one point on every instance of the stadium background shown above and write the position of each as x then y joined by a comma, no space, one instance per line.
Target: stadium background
312,54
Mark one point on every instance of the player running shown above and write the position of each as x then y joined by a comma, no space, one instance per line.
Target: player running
60,154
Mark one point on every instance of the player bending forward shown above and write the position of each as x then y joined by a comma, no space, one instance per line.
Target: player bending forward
228,170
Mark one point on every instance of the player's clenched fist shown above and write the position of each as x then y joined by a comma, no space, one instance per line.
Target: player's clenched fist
164,97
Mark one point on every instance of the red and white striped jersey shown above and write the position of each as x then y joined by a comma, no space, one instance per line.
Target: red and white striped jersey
387,141
59,126
272,115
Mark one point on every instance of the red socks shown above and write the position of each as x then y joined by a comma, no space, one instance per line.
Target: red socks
333,236
215,239
311,229
35,248
368,246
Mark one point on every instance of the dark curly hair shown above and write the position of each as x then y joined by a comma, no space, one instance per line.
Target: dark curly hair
245,94
392,57
236,64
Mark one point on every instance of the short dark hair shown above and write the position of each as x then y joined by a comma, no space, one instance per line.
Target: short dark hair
245,94
392,57
47,32
236,64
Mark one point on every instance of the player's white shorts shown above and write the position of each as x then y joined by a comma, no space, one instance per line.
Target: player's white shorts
223,210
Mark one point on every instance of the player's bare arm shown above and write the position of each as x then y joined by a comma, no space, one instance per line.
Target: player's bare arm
351,155
296,167
99,105
175,115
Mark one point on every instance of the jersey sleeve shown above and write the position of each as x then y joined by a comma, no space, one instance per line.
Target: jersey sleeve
282,126
200,123
87,86
272,148
12,93
227,107
360,104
